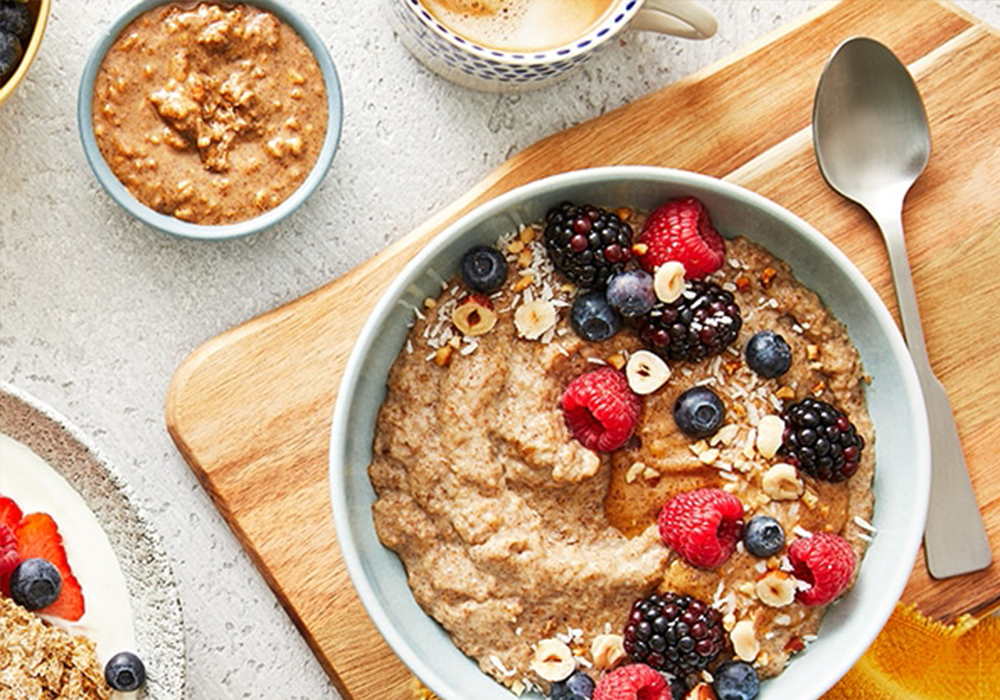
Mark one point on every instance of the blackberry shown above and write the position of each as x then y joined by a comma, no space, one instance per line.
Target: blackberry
674,633
821,441
699,324
587,244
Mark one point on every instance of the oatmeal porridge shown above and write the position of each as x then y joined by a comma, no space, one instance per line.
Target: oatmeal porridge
542,469
212,114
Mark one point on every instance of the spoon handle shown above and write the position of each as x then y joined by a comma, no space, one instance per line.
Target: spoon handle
955,540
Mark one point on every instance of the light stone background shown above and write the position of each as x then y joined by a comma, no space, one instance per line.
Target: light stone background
97,311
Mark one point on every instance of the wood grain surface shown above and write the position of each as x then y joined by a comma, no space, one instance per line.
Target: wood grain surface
250,410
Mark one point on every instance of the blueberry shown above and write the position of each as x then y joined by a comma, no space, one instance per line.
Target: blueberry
125,671
593,318
763,536
699,412
768,354
579,686
16,18
484,269
736,680
10,52
631,293
35,584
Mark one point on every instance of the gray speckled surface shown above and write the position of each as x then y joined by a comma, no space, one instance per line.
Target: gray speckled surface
97,311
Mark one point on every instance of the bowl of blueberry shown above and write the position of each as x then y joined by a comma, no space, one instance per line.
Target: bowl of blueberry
683,339
22,24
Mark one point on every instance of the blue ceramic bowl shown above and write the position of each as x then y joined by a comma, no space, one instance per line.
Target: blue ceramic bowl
902,477
178,227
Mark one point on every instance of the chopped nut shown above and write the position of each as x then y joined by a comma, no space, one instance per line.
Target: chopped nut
742,283
812,352
634,472
442,356
726,434
607,651
781,482
745,643
523,282
769,435
810,498
524,259
748,447
430,303
702,691
709,456
818,388
731,366
516,246
785,392
776,589
767,276
640,249
624,213
526,234
617,360
650,474
553,660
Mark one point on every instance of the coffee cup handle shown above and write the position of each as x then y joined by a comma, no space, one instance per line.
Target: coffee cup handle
687,19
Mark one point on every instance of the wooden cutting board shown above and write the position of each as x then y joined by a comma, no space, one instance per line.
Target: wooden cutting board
250,410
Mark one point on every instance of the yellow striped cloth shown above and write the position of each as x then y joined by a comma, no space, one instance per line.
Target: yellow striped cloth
915,658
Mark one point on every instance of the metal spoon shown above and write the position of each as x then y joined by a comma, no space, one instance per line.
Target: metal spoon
872,142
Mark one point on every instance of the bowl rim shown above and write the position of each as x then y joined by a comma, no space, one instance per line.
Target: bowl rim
30,51
179,227
908,545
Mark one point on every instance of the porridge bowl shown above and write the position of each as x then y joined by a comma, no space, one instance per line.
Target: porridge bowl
894,404
210,120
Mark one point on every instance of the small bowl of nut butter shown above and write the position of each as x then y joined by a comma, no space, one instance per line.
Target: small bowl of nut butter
207,120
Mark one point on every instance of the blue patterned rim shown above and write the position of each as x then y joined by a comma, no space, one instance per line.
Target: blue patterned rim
604,31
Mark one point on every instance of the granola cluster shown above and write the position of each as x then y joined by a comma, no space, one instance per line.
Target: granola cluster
42,662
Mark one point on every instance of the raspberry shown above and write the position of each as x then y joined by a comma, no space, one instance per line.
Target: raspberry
701,323
633,682
600,409
681,230
587,244
826,562
821,441
702,526
674,633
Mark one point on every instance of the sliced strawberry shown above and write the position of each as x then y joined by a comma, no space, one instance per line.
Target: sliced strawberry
38,536
9,558
10,513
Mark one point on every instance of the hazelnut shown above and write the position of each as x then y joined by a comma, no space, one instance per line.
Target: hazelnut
607,651
534,318
781,482
770,432
474,315
668,281
646,372
776,589
553,660
744,640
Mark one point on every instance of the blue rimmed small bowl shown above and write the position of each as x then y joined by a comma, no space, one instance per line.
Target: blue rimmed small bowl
179,227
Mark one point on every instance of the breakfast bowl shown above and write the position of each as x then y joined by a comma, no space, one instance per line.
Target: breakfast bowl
39,11
894,403
210,133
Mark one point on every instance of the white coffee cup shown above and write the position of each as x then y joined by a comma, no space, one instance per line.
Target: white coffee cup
513,45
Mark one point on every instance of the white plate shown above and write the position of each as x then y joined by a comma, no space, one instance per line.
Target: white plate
159,627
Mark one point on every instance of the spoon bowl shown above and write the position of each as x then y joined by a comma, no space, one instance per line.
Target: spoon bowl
872,142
